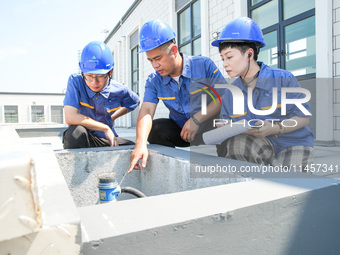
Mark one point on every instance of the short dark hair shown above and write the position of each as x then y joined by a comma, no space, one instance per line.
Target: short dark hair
164,46
241,46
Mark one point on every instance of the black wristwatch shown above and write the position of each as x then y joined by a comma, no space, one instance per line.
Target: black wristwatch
195,120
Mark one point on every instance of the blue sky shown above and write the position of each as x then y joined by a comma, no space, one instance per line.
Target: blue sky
40,39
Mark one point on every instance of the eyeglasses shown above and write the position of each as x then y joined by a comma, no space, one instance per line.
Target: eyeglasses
100,78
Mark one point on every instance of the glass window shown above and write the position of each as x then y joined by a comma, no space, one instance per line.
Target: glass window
134,56
266,15
186,49
134,80
269,53
37,113
196,18
11,113
189,29
292,8
134,70
253,2
289,32
300,47
197,47
57,114
134,62
184,26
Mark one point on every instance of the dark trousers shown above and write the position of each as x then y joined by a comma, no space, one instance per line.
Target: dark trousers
166,132
80,137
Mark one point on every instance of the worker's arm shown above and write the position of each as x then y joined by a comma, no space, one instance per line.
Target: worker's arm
190,128
122,111
73,117
144,124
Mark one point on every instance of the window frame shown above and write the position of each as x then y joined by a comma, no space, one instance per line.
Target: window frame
133,71
11,116
280,28
192,39
37,117
61,121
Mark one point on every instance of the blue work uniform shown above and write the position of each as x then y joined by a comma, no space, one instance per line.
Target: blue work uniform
262,100
101,105
184,99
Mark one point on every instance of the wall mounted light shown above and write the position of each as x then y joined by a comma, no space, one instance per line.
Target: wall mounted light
215,35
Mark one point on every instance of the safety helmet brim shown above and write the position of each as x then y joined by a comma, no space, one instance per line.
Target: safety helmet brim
97,71
217,43
242,29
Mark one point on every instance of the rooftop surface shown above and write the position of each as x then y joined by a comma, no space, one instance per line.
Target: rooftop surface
261,216
324,156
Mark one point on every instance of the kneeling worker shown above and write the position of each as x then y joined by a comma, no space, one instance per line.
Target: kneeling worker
179,81
93,101
271,142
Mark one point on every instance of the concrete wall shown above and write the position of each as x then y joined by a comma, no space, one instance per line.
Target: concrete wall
294,214
167,171
279,216
37,213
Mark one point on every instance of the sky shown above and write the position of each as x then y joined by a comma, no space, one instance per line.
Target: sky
40,39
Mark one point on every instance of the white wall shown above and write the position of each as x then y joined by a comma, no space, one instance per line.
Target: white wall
220,13
25,101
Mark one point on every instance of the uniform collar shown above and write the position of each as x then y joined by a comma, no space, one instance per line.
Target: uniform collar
262,82
186,71
105,92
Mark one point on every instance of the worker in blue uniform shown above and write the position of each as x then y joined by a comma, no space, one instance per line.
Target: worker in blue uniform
280,139
179,81
93,101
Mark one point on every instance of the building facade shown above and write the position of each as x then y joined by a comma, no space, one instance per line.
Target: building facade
31,108
302,37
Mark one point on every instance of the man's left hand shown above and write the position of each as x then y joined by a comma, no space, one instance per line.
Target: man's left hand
189,130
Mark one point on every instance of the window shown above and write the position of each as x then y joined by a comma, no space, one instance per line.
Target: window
37,113
289,32
11,113
134,62
57,114
134,72
189,29
113,75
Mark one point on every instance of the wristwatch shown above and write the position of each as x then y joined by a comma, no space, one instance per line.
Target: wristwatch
282,129
195,120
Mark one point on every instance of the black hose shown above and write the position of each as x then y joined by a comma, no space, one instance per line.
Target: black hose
133,191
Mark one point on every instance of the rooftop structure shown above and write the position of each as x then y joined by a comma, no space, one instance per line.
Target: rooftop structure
49,203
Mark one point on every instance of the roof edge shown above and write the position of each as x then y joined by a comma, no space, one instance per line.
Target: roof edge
122,20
